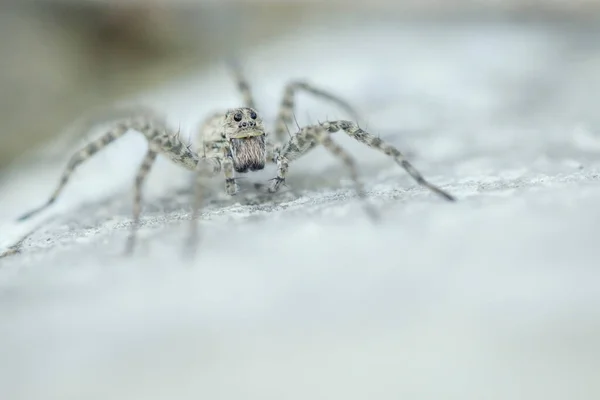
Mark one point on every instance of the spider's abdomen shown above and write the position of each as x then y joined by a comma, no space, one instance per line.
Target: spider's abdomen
248,153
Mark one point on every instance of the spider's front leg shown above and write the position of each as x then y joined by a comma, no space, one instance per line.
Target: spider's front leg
231,186
308,137
300,144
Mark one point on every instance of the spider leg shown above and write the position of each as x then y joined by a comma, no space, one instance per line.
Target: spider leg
326,141
304,141
231,187
141,176
307,138
206,167
170,145
155,131
286,109
76,160
242,83
271,151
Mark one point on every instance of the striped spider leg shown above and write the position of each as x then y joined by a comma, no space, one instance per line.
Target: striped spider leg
237,139
161,140
233,141
308,137
286,150
286,111
287,106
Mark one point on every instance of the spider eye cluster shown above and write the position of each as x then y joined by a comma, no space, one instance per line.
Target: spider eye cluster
238,116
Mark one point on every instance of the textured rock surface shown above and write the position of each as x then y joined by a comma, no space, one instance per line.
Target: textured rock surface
300,296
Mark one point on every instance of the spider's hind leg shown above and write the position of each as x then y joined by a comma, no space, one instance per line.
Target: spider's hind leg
286,109
242,83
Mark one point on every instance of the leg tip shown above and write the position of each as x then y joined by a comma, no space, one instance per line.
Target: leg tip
128,251
129,247
373,215
276,183
24,217
189,251
10,252
448,197
191,244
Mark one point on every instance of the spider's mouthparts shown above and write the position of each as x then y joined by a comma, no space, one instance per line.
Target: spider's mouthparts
248,153
246,134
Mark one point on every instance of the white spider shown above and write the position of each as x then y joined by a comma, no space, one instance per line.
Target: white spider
235,141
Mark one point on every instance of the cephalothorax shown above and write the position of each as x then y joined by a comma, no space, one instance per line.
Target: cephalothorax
236,141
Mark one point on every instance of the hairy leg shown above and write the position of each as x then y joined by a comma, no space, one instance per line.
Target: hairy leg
140,178
76,160
306,140
242,83
160,139
309,136
286,110
325,140
231,187
207,167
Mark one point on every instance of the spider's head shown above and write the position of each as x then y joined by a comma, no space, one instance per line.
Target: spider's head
245,132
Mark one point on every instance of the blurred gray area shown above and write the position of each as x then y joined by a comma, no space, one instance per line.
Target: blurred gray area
63,58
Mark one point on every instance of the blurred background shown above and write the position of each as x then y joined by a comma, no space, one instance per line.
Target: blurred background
62,58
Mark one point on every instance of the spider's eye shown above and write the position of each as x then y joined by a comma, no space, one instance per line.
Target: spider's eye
238,117
253,115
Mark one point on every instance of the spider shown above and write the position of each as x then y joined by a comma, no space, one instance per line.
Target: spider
235,141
